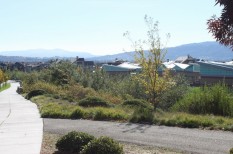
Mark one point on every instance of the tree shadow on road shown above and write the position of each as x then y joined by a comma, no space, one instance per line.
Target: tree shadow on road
60,152
132,128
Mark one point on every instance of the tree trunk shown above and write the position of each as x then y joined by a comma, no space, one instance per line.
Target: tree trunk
155,105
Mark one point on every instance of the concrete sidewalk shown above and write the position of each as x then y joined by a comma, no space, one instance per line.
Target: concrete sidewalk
21,128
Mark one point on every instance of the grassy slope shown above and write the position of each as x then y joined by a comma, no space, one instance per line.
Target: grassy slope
57,108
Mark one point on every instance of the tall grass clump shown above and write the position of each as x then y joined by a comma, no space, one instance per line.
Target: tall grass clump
109,114
217,100
78,113
78,92
52,110
48,87
185,120
142,115
93,102
137,103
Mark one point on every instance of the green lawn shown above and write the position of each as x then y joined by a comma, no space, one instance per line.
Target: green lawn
5,86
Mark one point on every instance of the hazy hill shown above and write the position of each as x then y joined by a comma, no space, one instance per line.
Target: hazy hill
204,50
45,53
22,59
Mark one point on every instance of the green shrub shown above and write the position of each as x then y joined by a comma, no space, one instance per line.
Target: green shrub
34,93
142,115
137,103
169,97
78,92
57,113
189,123
16,75
187,120
228,128
77,113
31,78
54,114
52,110
46,86
231,151
102,145
215,100
59,76
112,98
73,142
108,114
93,102
55,96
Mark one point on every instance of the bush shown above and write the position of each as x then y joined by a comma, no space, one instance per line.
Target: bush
186,123
77,113
173,94
215,100
93,102
73,142
108,114
231,151
46,86
112,98
137,103
193,121
51,110
142,115
19,90
34,93
16,75
78,92
102,145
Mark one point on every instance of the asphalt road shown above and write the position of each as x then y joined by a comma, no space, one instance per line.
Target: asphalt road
186,140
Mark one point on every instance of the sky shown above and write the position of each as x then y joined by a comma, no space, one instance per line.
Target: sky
97,26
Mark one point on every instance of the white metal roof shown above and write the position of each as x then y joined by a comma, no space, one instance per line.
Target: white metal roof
183,66
172,64
129,65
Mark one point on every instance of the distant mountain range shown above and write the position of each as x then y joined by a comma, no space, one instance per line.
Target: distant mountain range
203,50
45,53
22,59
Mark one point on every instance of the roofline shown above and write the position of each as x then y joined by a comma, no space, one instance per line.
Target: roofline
219,66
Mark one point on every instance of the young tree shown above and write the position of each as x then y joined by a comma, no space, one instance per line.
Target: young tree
151,61
3,77
62,73
222,27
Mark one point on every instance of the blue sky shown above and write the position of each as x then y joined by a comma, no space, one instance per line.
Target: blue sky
97,26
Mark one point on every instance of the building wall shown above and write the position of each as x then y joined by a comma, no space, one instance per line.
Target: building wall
209,80
215,70
215,73
192,77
